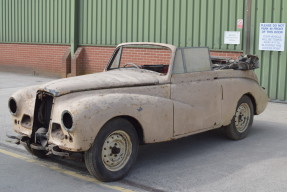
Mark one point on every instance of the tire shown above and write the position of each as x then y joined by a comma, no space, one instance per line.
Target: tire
37,153
114,150
241,121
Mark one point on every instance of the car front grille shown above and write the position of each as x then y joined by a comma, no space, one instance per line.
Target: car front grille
42,111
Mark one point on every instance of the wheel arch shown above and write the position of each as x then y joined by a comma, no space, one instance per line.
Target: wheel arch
253,102
135,123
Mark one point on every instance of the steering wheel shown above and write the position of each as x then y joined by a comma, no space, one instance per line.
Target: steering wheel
133,64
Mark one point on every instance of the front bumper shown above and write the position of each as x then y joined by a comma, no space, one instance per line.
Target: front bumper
50,148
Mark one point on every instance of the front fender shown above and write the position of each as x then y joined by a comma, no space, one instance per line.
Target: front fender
25,100
91,112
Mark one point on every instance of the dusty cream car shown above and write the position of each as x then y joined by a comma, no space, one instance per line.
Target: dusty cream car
148,93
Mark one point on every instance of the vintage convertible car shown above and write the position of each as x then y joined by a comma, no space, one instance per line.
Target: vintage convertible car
149,92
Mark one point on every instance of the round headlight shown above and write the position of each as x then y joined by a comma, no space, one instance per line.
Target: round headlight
67,120
12,105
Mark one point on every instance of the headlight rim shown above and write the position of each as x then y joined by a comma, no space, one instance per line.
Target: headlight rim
62,120
9,106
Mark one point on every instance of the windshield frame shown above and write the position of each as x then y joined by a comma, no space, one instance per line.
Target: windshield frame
118,50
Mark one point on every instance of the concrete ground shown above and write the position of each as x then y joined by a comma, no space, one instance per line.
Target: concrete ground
200,163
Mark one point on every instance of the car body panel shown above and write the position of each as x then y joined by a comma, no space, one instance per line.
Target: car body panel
193,109
26,99
91,113
103,80
165,106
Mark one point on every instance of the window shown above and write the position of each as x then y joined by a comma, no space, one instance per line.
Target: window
147,57
178,62
189,60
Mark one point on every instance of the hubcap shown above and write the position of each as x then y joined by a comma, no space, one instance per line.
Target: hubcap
242,117
116,150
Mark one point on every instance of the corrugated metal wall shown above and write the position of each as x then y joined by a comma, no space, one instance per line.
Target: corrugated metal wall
179,22
182,23
35,21
273,70
109,22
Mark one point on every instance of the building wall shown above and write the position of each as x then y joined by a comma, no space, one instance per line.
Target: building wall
97,26
227,54
146,56
45,59
48,59
184,23
35,21
273,64
110,22
105,23
94,59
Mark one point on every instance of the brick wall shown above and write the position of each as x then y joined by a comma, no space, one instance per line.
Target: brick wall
94,59
46,59
146,56
232,55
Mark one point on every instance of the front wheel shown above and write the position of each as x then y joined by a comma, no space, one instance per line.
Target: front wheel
38,153
242,120
114,150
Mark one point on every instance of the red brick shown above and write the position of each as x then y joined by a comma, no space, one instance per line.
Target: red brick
233,55
39,58
48,58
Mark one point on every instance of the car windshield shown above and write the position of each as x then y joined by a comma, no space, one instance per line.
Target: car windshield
146,57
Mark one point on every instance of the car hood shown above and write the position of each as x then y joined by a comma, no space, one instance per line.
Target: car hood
104,80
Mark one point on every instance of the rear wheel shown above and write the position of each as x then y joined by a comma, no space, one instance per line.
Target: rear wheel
242,120
114,150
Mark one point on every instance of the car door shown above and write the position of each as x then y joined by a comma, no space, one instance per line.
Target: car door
195,91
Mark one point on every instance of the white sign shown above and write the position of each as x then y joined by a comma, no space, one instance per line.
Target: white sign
272,36
232,37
